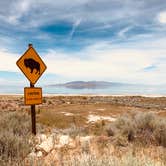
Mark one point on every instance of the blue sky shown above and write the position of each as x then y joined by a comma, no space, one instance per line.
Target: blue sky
110,40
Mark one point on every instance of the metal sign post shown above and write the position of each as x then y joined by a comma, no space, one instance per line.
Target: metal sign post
33,115
33,67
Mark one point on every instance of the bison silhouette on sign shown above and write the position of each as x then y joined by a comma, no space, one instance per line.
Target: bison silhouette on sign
32,64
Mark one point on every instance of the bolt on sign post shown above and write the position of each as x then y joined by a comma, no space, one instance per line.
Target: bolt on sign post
33,67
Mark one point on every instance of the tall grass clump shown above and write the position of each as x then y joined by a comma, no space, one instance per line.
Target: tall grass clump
15,133
142,128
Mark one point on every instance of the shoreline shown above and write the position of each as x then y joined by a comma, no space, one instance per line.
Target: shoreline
93,95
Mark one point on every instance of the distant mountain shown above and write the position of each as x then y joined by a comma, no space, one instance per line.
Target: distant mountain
88,84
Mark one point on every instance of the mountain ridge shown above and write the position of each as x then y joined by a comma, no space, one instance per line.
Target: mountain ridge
88,84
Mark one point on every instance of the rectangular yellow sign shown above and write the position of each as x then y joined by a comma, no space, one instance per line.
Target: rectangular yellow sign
32,96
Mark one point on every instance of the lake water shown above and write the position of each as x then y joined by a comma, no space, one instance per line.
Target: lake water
114,90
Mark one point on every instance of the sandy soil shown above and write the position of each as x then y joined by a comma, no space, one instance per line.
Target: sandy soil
84,109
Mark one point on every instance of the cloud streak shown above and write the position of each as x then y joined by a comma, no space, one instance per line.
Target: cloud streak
75,25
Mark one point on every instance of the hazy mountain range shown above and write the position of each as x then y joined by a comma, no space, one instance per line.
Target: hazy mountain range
88,84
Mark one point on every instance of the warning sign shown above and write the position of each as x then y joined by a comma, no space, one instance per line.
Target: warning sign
32,96
31,65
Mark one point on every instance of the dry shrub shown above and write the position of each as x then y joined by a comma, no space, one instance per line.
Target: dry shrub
143,128
15,130
160,132
74,131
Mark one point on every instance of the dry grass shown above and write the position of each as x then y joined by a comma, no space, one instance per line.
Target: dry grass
59,120
74,131
15,130
100,152
109,160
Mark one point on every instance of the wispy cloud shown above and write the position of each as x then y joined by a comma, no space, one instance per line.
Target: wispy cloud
75,25
97,28
122,32
150,68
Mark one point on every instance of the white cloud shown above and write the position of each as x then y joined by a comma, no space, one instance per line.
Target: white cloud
18,10
102,62
8,61
126,65
162,17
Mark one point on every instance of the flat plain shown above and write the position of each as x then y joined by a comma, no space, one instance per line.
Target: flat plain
97,129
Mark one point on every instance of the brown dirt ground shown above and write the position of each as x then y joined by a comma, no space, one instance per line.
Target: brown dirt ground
52,111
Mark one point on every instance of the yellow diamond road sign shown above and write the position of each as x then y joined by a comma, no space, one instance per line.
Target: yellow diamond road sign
31,65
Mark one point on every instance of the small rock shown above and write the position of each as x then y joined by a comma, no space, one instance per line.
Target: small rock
72,144
39,154
52,158
47,145
32,154
64,140
68,114
41,138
